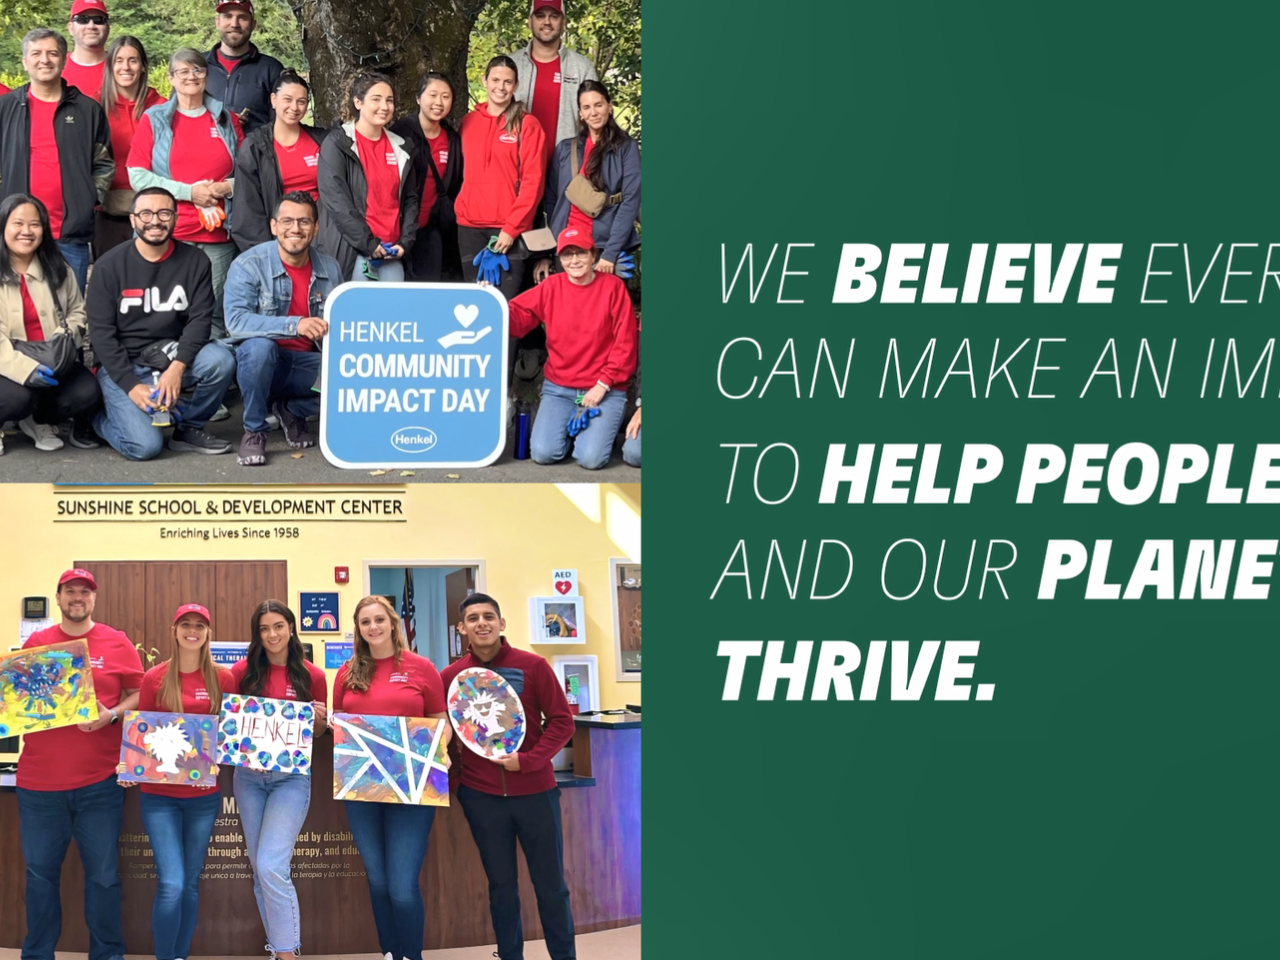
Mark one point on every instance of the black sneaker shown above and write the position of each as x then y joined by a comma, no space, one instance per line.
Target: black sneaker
296,430
197,440
253,450
82,436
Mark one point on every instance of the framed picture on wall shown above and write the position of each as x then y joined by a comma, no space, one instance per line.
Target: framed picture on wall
579,678
557,620
624,591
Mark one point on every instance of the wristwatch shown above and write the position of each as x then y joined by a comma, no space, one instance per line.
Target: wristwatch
115,717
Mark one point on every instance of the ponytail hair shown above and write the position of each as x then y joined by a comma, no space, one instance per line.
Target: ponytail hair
612,137
290,75
515,112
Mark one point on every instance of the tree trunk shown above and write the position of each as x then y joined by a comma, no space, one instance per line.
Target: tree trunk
401,38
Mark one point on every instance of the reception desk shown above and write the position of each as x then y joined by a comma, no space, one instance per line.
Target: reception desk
600,802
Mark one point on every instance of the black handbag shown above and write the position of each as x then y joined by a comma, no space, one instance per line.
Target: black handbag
59,353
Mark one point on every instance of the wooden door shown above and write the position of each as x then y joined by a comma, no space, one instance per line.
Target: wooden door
457,587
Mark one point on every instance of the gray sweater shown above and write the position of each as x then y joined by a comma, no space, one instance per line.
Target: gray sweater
574,68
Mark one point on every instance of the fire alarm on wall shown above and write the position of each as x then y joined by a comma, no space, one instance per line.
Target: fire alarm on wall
340,575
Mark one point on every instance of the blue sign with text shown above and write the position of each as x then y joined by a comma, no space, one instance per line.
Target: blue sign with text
415,374
317,612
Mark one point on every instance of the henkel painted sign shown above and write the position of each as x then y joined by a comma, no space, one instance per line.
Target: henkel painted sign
414,374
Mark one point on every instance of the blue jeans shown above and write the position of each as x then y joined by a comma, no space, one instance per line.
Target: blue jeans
77,257
48,819
550,440
272,808
221,256
266,373
631,449
123,425
392,839
180,830
389,271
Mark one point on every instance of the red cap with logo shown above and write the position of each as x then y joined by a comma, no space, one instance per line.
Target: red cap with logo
573,237
88,6
554,4
225,5
78,574
192,608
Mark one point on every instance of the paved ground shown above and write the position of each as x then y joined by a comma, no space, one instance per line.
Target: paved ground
23,463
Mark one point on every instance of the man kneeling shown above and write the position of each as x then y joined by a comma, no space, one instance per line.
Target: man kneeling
150,309
275,294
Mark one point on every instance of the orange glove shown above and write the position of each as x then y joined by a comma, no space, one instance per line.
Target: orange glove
211,218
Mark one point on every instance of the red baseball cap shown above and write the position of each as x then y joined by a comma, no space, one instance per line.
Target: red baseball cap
88,6
78,574
539,4
192,608
573,237
245,5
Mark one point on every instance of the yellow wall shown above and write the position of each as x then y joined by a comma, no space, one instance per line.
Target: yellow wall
522,532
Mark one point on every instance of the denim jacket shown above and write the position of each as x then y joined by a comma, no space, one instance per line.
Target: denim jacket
258,291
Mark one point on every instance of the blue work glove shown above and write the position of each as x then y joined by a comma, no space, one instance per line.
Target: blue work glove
625,266
582,419
41,376
491,266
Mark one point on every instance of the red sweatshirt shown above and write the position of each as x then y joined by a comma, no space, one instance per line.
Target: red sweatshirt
591,330
195,699
535,682
488,197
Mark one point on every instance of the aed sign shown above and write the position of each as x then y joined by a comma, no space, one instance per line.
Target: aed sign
414,374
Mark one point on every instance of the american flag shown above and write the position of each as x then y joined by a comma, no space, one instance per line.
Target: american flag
408,613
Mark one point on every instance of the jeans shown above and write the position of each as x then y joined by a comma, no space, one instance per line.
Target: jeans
179,830
392,839
129,430
550,440
266,372
76,396
77,257
631,449
272,808
48,819
221,256
496,823
389,271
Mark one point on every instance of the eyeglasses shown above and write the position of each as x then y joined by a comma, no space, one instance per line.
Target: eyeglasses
287,222
94,18
146,216
196,72
570,255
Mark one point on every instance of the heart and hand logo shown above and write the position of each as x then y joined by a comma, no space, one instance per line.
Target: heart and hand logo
465,315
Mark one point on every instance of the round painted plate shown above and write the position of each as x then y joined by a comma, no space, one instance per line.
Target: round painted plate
486,713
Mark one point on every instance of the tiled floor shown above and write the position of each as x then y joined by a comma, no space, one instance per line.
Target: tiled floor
620,944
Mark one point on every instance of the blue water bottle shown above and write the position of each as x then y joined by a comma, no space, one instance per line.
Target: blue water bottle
524,427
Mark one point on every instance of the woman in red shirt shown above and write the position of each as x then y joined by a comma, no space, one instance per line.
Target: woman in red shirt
125,97
384,678
503,179
368,194
179,819
273,804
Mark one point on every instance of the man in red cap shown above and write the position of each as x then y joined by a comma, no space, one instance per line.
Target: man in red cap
240,76
549,74
67,784
90,26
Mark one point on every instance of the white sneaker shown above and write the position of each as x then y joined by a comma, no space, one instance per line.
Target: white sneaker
45,436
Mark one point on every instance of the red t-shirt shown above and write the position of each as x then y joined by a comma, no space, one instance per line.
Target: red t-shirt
195,699
68,758
198,153
382,173
300,280
411,688
30,315
438,148
123,125
229,63
576,217
87,79
4,90
299,166
278,686
46,168
546,101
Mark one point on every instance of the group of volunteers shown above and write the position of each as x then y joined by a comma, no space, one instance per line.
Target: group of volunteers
218,223
68,788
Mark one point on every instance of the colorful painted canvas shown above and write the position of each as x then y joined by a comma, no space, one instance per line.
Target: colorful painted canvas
265,734
486,712
46,687
174,748
390,760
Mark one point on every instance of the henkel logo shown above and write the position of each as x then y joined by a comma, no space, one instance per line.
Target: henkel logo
443,155
508,138
312,161
150,302
213,130
413,439
558,80
391,158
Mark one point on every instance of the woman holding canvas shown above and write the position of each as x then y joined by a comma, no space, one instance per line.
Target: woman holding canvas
385,678
179,819
273,804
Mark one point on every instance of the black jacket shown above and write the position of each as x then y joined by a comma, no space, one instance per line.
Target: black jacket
84,154
448,187
344,191
258,184
247,86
